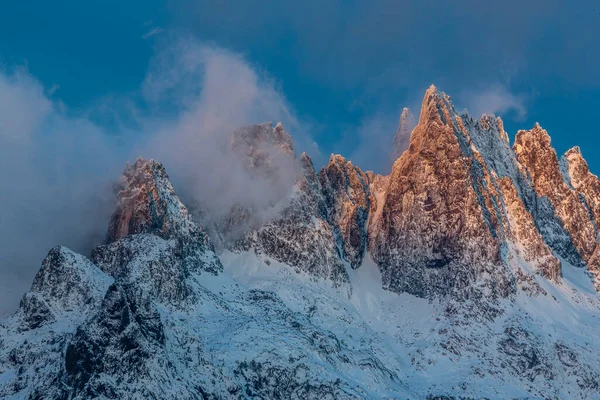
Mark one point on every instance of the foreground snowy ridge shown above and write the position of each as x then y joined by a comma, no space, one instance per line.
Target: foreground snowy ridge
471,271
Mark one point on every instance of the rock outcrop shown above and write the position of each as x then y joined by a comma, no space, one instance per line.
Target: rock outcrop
263,148
153,243
576,241
513,195
66,285
301,236
439,230
147,203
525,235
347,197
587,185
297,231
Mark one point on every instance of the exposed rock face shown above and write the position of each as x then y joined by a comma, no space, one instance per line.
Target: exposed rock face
123,339
250,140
153,239
540,162
438,232
262,147
587,185
378,185
147,203
402,136
65,284
512,195
461,196
298,232
301,236
263,156
347,196
525,234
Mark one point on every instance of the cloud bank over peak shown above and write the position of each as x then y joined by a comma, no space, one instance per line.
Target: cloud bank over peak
60,165
216,92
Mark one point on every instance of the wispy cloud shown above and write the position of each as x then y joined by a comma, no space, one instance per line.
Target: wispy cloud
217,92
373,142
152,32
53,89
494,99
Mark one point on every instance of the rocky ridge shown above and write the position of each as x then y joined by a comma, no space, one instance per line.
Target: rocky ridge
470,256
347,198
461,198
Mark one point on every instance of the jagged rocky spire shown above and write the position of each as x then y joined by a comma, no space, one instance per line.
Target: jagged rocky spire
437,222
299,234
540,162
258,145
67,285
147,203
346,192
587,185
152,241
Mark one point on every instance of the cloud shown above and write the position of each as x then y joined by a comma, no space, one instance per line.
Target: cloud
152,32
59,166
53,89
495,99
215,92
373,145
370,144
55,176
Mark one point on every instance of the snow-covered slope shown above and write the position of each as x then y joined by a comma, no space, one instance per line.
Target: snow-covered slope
467,273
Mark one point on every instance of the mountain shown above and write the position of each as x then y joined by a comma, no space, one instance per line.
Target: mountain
471,271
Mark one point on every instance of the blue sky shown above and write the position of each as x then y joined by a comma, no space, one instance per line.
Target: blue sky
346,68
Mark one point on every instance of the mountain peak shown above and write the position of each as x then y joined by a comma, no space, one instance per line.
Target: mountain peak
405,113
336,159
147,203
573,151
66,283
436,106
253,139
555,182
534,138
432,90
575,168
346,193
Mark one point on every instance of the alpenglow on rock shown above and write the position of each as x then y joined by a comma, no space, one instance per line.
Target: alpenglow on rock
473,256
440,227
587,186
578,237
460,202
